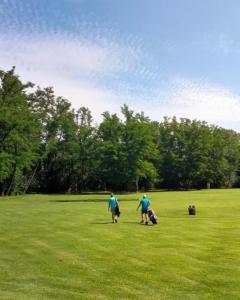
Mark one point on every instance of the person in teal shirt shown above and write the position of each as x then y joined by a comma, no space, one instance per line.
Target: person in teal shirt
144,203
113,205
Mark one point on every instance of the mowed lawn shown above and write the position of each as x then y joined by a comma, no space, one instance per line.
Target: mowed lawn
65,247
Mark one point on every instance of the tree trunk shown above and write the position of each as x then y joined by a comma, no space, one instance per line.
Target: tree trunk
31,178
12,180
136,182
104,186
2,188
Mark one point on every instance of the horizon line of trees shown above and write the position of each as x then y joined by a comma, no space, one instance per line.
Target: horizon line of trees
46,146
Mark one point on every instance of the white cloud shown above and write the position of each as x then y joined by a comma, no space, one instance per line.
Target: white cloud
97,99
63,53
77,68
185,98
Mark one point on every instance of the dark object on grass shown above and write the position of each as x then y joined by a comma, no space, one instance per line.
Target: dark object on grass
117,211
192,210
152,216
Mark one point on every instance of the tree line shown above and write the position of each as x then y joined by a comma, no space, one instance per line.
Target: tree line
46,146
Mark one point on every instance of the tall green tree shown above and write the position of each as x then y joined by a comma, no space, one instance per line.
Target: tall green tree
61,147
18,133
139,148
232,156
185,148
42,103
86,159
111,171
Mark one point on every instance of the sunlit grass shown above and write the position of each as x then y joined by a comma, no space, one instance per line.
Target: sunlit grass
65,247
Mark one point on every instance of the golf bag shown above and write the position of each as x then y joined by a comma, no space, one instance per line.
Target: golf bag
117,211
191,210
152,216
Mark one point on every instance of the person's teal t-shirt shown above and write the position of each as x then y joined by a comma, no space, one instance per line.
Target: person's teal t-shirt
145,203
112,202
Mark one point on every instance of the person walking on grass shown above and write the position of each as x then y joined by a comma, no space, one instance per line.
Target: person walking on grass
144,203
113,205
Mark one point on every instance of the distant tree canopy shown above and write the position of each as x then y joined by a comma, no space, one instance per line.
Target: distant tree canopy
47,146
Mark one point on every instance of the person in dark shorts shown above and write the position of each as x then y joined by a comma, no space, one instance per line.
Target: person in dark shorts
113,205
144,203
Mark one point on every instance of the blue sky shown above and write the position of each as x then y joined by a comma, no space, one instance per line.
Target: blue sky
167,57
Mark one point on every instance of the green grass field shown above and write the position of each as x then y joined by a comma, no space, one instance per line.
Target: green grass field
65,247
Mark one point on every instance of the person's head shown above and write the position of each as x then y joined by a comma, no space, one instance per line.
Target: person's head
111,195
144,196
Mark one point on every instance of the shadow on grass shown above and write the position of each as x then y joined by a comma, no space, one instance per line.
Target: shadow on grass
137,223
91,200
98,193
184,216
119,223
102,223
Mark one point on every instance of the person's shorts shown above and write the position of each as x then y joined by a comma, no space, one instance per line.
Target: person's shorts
144,211
113,210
